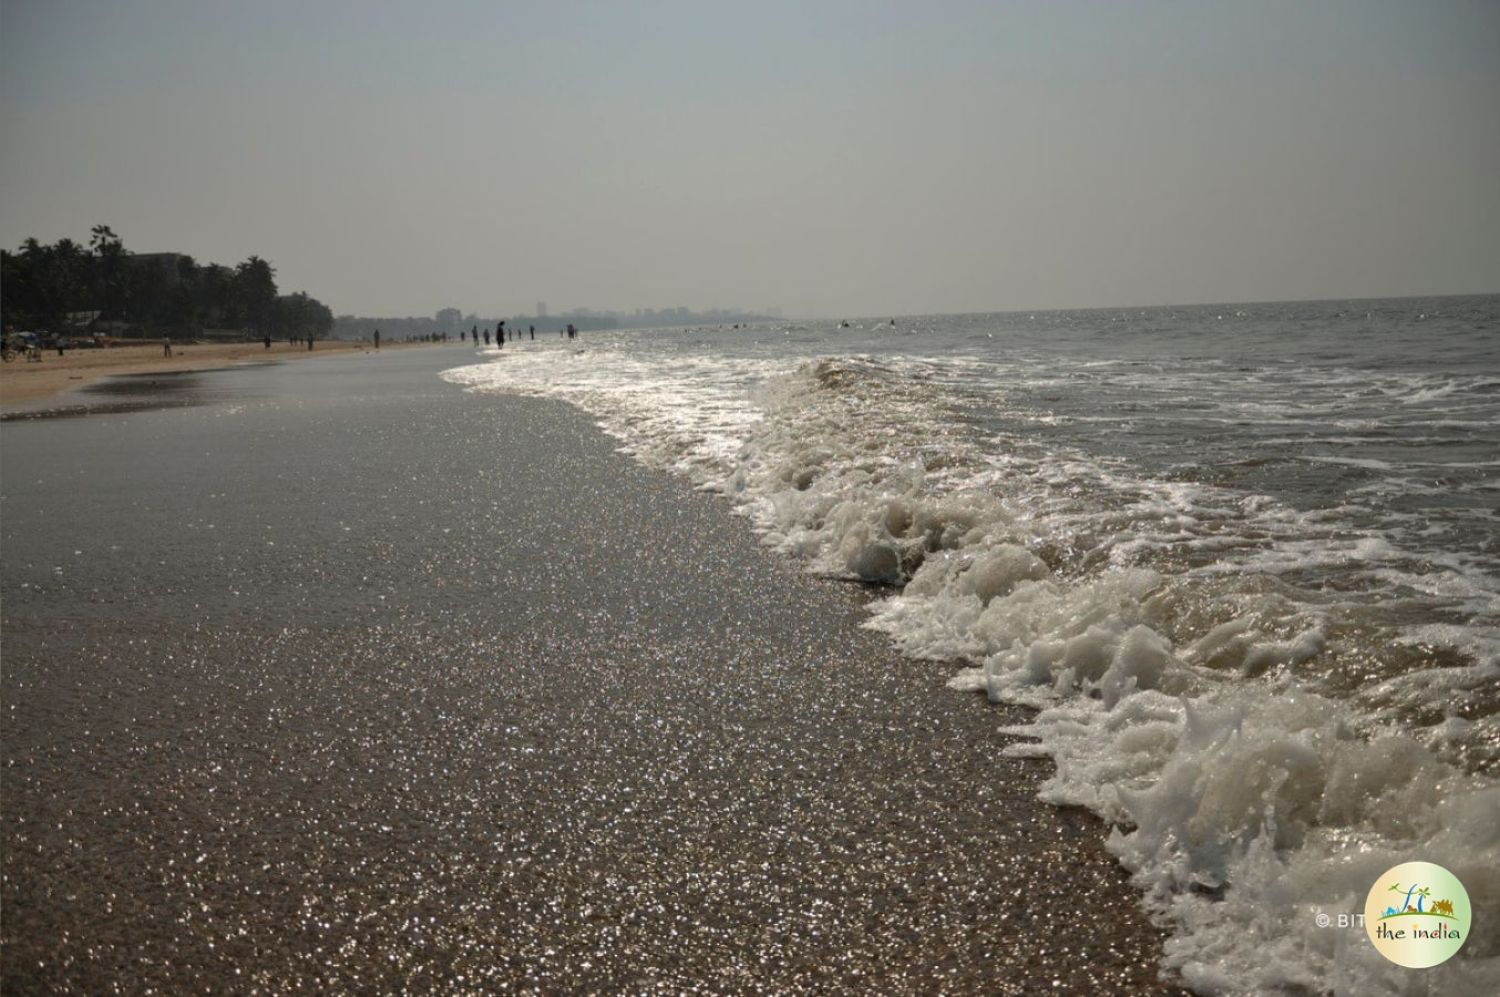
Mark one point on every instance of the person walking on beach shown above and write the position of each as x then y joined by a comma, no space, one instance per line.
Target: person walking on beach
268,341
500,332
166,346
377,339
533,333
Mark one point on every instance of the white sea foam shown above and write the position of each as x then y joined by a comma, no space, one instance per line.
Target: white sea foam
1172,635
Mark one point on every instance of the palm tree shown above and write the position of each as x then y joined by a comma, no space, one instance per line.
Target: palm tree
255,287
110,250
104,239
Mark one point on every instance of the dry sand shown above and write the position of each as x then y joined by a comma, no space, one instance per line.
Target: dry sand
22,380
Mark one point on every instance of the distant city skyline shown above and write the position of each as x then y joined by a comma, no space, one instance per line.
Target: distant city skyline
452,316
837,158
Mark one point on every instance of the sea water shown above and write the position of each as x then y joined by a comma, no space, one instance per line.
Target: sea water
1242,560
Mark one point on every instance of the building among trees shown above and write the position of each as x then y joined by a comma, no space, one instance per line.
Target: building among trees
67,288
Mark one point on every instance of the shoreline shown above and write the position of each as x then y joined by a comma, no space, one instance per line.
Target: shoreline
26,381
461,729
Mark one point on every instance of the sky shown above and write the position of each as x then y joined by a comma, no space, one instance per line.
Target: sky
825,158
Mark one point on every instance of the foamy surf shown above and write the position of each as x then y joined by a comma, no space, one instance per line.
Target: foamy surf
1269,705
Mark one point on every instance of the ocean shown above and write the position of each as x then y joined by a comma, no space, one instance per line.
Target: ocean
1243,561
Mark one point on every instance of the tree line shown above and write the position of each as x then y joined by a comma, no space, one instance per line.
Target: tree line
67,287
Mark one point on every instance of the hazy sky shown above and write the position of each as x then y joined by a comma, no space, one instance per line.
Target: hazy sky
834,158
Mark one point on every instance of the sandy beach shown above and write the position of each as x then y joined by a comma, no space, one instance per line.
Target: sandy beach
22,380
363,683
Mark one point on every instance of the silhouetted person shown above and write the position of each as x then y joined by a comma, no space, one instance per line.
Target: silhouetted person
533,333
377,339
166,346
268,342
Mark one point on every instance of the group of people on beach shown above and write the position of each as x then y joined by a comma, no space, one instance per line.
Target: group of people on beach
28,345
503,335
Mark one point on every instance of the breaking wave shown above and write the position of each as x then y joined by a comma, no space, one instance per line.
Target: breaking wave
1268,707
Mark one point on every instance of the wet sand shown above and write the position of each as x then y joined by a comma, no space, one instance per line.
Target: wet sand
345,681
22,380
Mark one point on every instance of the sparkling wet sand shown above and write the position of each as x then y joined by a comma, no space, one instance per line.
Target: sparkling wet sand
338,679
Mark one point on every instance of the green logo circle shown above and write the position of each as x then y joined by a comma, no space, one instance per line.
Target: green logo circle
1417,915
